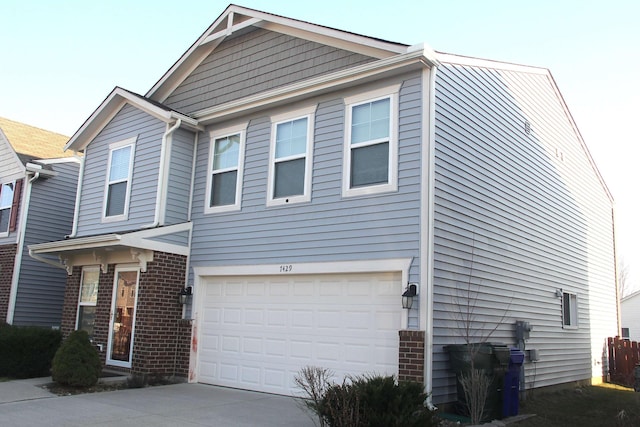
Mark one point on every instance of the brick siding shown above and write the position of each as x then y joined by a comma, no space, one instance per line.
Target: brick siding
7,261
411,356
161,336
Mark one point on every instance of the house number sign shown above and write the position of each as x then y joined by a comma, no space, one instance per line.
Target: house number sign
286,268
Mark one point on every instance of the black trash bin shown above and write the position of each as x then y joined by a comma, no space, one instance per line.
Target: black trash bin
493,359
511,390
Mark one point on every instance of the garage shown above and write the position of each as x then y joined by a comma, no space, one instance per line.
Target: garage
256,332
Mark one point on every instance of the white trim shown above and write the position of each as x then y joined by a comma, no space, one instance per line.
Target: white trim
448,58
427,195
240,130
391,93
109,361
129,142
309,114
369,266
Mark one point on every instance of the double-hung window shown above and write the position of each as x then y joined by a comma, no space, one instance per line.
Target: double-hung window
6,200
569,310
371,143
291,158
87,299
226,160
118,183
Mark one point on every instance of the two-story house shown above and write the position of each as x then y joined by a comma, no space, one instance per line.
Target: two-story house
293,181
37,195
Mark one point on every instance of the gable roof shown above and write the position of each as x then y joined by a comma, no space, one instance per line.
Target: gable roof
30,142
110,107
237,18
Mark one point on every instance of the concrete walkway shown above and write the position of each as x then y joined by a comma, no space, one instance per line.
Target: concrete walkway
25,403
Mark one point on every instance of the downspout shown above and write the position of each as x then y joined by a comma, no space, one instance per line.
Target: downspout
76,211
427,221
189,214
161,173
13,293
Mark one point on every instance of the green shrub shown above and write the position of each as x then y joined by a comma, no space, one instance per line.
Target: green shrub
27,351
376,401
76,362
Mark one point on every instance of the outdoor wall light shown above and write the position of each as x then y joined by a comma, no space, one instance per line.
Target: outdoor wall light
184,295
407,297
558,293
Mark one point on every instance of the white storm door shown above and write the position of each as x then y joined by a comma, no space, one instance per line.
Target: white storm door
123,316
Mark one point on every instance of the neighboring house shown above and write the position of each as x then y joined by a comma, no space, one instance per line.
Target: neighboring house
297,178
37,196
630,316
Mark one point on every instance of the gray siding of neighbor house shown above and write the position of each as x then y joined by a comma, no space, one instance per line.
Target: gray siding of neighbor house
518,214
329,228
179,188
40,286
128,122
254,62
10,170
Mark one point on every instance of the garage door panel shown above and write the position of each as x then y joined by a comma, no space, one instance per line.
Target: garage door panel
258,332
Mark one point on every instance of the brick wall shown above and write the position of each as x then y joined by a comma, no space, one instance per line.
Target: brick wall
161,337
411,356
7,260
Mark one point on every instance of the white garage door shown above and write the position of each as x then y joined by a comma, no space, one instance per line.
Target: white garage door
257,332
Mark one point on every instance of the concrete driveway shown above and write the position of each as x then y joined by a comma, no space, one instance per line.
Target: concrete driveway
24,403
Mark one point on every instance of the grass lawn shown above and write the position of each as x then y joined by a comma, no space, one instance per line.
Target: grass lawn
605,405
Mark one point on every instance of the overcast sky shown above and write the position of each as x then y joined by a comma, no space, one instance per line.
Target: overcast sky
61,58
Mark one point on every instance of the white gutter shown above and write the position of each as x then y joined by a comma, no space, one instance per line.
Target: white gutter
427,222
76,210
161,173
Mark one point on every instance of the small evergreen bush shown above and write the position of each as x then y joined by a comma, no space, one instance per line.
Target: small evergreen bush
376,401
27,351
76,362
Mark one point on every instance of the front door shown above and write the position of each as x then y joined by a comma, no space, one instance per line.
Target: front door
123,316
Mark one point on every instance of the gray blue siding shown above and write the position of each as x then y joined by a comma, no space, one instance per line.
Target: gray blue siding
128,122
329,228
517,215
40,286
179,187
254,62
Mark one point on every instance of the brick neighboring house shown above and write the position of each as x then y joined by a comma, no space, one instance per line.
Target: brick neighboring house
34,171
299,179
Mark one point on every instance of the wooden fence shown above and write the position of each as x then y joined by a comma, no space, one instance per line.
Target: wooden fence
624,355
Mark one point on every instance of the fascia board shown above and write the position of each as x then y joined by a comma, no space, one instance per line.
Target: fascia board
312,86
109,108
76,244
213,36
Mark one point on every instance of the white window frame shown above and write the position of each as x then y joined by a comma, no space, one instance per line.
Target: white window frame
573,310
113,147
80,302
303,113
390,92
218,134
5,233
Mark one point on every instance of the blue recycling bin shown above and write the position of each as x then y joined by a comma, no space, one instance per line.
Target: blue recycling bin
511,390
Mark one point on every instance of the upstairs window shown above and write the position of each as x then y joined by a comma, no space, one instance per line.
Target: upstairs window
118,185
6,201
569,310
224,183
371,144
291,159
